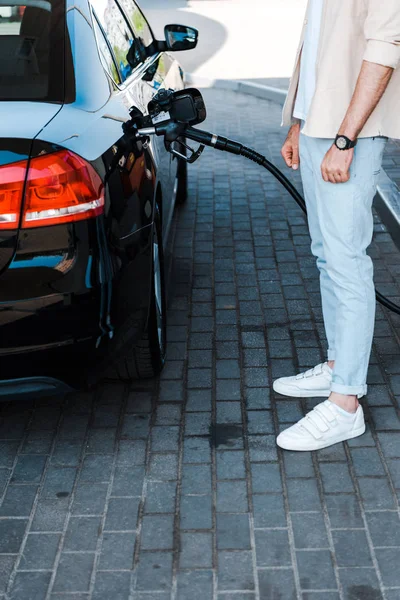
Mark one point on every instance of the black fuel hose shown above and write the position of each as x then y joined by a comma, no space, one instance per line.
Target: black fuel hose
222,143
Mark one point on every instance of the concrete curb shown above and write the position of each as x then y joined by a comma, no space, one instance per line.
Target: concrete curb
387,201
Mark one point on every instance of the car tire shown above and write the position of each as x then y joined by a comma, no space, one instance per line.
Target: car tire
147,358
182,177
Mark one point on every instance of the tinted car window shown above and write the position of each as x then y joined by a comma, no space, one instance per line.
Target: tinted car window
105,53
28,70
119,35
138,22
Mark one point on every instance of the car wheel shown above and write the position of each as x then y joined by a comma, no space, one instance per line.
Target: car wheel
147,358
181,174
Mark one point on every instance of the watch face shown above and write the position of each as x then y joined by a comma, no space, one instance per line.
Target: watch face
341,143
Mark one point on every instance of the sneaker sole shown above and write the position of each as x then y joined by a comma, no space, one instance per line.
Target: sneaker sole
293,393
320,446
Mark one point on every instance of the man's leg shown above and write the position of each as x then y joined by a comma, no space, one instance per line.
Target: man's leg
309,176
346,223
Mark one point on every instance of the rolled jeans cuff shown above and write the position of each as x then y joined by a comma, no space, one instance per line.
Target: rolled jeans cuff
349,390
331,354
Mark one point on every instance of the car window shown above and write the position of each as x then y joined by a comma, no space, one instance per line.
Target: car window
139,24
119,34
28,70
105,53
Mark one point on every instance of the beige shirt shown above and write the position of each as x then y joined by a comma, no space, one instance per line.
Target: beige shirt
351,31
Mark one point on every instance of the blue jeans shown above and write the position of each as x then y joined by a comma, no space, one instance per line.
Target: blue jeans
341,227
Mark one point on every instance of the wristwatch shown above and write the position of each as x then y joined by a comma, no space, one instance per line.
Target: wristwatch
344,143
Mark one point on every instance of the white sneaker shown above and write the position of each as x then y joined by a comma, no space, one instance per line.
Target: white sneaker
315,383
324,426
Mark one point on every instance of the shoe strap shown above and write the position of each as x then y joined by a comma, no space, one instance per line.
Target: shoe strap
317,370
318,421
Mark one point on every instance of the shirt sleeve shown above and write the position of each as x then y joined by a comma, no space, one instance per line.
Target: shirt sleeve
382,32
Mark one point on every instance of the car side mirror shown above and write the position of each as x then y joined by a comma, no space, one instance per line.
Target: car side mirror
180,37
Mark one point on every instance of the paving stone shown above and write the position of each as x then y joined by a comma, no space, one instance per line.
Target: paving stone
229,412
59,482
82,534
164,466
197,423
198,400
351,548
336,478
360,583
67,453
39,551
11,534
298,464
266,478
344,511
309,530
303,495
196,479
114,585
164,439
230,464
367,462
385,418
97,467
384,528
30,585
196,585
315,569
390,443
376,494
388,562
8,452
196,512
195,550
74,572
235,571
29,468
257,398
233,532
272,548
89,499
18,501
259,422
394,468
154,571
117,551
262,448
157,532
50,514
128,481
232,496
122,514
197,450
277,584
6,567
160,497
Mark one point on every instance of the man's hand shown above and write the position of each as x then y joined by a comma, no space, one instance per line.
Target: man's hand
290,149
336,165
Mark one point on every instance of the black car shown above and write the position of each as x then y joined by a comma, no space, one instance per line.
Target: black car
84,217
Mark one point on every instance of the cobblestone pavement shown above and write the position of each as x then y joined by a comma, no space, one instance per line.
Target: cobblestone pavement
174,489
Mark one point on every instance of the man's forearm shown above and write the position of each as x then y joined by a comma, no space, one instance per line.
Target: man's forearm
371,85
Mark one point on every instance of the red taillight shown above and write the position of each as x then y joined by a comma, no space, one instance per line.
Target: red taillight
12,178
60,188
